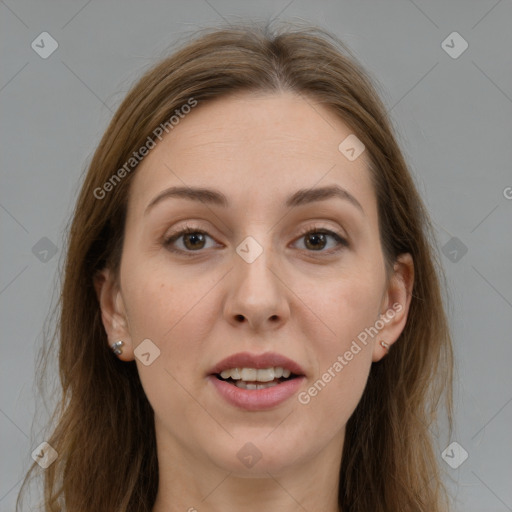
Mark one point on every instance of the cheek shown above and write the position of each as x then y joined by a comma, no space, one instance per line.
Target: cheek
331,398
167,313
159,302
346,306
175,313
152,307
349,309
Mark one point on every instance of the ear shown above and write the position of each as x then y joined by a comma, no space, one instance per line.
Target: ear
395,304
113,312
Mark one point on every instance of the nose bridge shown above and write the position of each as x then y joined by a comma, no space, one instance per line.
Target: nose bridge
254,260
257,293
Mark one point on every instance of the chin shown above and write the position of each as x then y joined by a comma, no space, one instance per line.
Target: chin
253,456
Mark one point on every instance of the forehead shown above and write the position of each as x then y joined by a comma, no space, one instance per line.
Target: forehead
255,147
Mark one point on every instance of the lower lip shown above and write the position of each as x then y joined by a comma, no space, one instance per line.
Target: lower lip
256,399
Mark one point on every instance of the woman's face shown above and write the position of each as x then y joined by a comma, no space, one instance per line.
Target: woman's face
248,282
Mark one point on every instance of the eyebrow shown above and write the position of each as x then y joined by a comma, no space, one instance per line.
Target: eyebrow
299,198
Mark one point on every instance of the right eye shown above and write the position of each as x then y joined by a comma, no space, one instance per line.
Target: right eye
193,240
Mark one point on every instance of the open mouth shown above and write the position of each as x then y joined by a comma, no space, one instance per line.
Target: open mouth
256,382
251,378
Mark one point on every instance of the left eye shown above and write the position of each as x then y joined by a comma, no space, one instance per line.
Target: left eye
316,239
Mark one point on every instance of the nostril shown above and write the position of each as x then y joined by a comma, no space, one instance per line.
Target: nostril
240,318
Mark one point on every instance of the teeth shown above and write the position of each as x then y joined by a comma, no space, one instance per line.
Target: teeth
265,375
248,374
254,375
246,385
225,374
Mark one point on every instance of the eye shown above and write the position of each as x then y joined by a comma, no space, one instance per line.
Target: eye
316,239
193,240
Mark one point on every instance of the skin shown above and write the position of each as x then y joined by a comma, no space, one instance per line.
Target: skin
308,304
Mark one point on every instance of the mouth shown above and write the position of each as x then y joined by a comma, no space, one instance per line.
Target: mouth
254,378
256,382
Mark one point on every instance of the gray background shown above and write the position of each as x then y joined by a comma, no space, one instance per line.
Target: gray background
453,118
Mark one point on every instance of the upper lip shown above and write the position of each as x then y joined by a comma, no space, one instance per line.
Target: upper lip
258,361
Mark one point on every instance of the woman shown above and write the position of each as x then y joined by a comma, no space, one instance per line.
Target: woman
251,316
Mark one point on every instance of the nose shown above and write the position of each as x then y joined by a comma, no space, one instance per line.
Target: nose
257,294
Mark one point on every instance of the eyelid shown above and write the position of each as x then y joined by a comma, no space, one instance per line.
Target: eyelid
322,228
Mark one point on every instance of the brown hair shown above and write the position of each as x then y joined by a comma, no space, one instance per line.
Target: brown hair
104,429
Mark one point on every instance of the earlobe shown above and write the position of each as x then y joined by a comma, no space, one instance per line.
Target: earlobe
395,305
113,314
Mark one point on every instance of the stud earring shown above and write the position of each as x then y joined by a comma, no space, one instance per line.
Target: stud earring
116,347
384,345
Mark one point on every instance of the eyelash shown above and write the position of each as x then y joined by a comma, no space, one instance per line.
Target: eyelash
342,242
